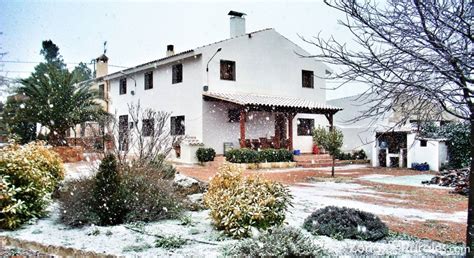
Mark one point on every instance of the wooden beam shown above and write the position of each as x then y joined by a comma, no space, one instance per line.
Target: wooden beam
243,114
290,117
331,121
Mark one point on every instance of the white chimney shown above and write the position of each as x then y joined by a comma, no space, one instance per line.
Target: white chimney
169,50
237,24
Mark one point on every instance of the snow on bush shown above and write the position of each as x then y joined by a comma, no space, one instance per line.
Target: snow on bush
119,194
239,204
28,176
276,242
345,223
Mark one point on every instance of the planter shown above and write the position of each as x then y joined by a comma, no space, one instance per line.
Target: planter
315,149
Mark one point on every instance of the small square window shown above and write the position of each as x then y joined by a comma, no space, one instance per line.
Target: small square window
305,127
177,71
148,80
423,143
307,79
123,86
148,127
177,125
227,70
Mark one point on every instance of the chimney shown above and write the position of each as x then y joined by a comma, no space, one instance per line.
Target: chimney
237,24
102,64
169,50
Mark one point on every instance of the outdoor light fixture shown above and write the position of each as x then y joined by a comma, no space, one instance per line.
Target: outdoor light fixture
206,87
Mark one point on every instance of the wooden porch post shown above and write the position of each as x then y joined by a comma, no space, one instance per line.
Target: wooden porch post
243,114
290,117
331,121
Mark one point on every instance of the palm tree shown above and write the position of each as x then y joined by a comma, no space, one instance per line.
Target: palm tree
58,100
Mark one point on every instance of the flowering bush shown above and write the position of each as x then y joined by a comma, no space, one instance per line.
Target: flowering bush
342,223
239,204
28,175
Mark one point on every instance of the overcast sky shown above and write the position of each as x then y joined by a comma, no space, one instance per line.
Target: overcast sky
138,31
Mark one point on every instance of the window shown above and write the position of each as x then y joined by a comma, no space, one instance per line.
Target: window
148,80
307,79
227,70
177,125
123,86
305,126
423,143
148,127
234,115
101,91
177,73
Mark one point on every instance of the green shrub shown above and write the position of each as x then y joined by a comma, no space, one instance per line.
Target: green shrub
149,197
276,242
137,193
345,223
162,167
274,155
242,155
170,242
251,156
108,194
237,204
205,154
76,203
28,175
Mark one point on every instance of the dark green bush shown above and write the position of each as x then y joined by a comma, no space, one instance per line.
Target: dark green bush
345,223
137,192
108,194
276,242
76,203
243,155
266,155
274,155
205,154
147,196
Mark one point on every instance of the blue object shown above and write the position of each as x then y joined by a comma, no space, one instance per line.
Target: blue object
297,152
420,166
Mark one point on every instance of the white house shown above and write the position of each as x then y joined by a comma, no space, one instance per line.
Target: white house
385,141
252,88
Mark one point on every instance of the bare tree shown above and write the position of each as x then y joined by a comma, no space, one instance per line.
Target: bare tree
415,55
145,137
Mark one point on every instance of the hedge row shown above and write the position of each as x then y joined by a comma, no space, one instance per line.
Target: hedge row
251,156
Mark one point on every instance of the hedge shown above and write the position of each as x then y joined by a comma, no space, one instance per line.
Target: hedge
245,155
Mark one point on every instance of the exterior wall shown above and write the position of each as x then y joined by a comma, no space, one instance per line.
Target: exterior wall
305,143
178,99
266,63
435,152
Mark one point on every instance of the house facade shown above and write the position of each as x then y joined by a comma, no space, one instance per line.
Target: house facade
252,86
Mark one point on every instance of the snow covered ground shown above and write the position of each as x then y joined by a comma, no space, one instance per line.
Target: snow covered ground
124,241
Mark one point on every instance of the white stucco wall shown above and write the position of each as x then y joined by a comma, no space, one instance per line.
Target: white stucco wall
435,152
178,99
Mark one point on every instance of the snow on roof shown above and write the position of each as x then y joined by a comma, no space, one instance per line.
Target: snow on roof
270,101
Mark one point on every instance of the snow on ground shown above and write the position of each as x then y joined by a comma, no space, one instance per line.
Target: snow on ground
413,180
311,196
122,241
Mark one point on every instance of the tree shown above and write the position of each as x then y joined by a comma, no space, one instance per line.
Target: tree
16,124
417,54
56,98
330,140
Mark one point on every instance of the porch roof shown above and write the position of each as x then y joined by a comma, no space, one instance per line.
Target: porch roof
272,102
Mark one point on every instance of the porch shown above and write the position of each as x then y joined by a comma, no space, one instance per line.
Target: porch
273,115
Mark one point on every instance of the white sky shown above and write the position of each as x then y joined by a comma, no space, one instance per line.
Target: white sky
138,31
